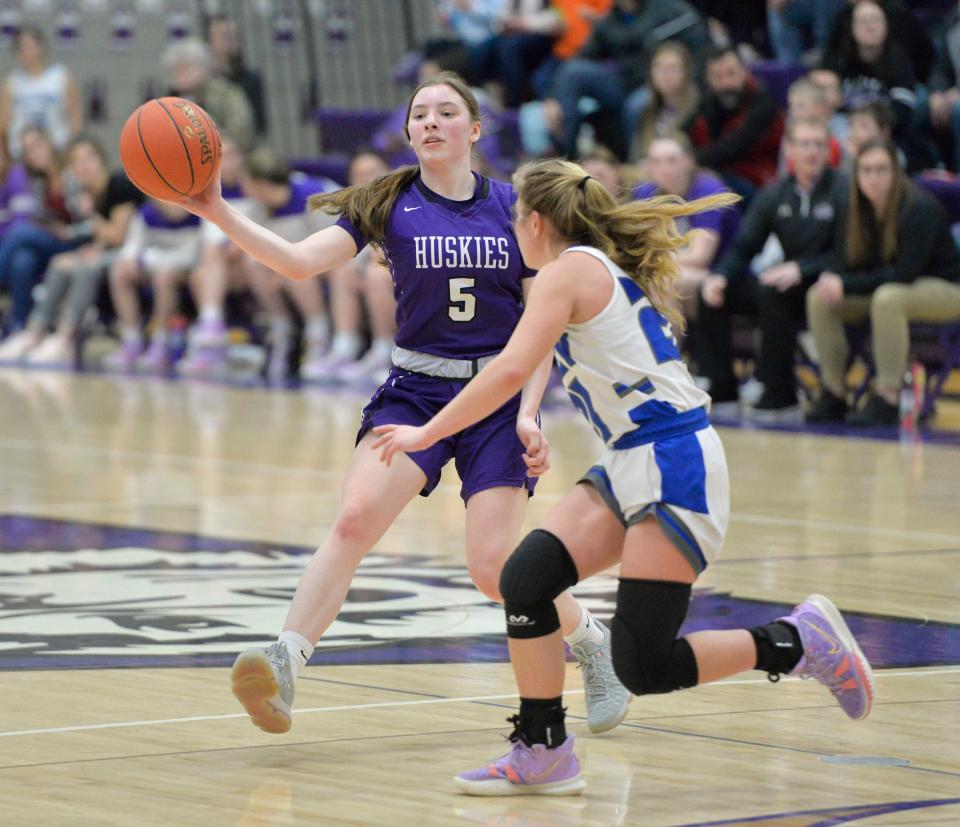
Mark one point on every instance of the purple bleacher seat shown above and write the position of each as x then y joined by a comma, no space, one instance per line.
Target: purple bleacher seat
508,127
947,192
325,166
777,77
345,130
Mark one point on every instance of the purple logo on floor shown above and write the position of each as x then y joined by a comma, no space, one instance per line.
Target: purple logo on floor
83,595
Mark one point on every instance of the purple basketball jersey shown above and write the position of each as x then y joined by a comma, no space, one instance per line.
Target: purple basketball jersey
456,269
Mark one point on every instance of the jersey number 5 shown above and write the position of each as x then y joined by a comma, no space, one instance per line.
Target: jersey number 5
463,305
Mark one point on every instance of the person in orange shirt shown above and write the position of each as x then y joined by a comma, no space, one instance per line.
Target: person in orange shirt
578,17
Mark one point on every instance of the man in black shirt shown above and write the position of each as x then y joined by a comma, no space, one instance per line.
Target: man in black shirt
800,210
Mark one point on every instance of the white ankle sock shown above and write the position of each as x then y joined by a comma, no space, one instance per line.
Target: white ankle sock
345,345
300,650
587,629
316,329
211,314
132,336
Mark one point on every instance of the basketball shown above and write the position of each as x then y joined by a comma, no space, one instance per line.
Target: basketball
170,148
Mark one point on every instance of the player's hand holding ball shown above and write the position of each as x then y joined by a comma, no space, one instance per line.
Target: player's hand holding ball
170,150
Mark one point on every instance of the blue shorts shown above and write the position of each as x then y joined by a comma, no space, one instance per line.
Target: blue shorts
488,454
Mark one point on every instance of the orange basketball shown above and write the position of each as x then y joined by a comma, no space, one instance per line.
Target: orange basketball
170,148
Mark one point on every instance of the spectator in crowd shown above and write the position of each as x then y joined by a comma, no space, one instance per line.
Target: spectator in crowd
222,269
38,93
18,202
807,101
603,165
463,24
797,26
190,65
673,171
828,82
741,24
284,195
364,280
905,29
161,247
738,127
223,39
869,121
625,37
73,279
800,210
895,262
871,65
672,97
27,247
579,19
524,36
941,112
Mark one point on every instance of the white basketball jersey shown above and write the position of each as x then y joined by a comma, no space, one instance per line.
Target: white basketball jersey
622,368
38,100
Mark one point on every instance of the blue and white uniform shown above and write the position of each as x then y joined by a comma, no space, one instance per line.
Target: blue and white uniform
623,371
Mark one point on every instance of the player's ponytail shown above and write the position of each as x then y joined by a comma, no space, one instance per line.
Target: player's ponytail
367,206
639,237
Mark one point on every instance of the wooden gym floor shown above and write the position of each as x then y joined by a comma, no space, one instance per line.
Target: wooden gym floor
151,529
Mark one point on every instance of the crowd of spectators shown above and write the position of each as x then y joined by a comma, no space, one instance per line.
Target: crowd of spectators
655,97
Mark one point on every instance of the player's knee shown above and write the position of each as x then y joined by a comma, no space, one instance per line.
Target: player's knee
353,525
123,270
485,572
887,298
641,668
538,571
647,656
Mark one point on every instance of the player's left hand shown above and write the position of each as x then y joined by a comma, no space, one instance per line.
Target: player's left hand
537,455
393,439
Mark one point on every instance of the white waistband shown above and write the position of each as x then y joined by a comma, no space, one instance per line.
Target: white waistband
438,366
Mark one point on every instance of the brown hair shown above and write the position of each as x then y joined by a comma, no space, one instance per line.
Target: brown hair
640,237
264,164
647,124
368,206
860,245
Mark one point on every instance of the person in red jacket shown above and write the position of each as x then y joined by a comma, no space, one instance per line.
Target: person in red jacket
738,127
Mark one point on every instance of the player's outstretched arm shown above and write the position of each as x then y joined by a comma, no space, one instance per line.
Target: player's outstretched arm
299,260
549,309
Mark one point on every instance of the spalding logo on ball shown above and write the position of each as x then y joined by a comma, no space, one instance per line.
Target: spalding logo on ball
170,148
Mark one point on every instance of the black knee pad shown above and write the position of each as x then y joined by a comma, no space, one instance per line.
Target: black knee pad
647,656
538,571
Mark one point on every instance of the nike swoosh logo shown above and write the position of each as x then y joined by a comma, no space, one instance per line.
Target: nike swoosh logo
834,643
410,209
540,777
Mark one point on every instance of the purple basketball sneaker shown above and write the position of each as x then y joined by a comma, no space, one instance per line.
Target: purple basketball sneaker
831,655
526,770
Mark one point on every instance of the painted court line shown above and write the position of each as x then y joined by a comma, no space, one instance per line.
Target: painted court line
387,705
